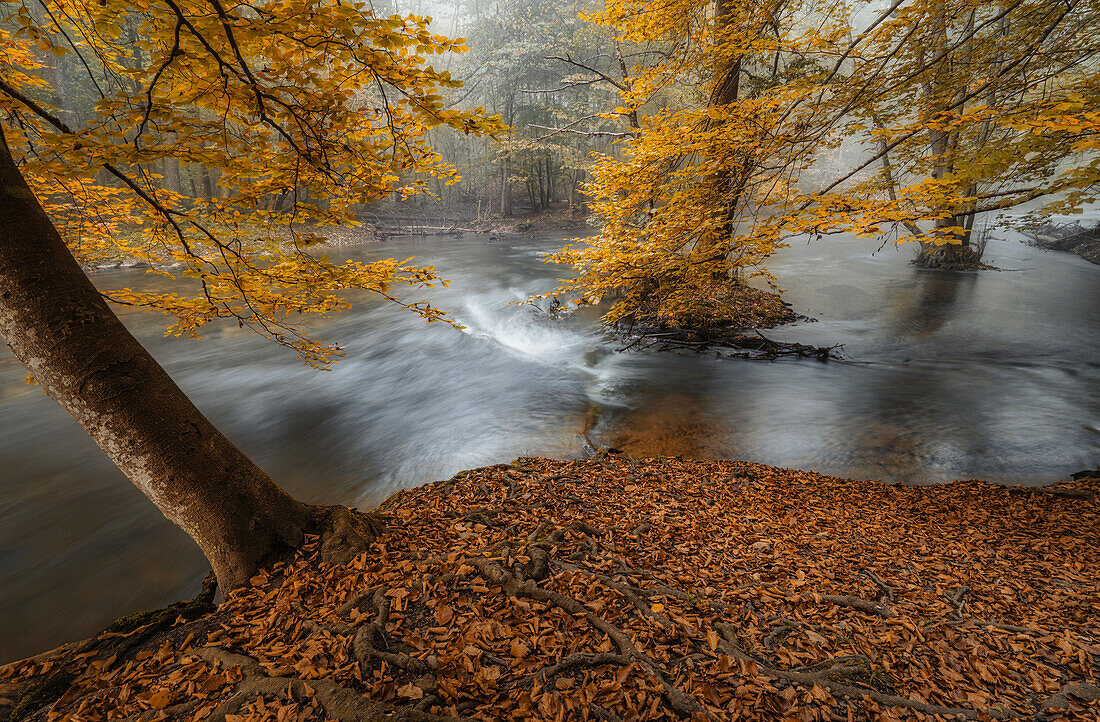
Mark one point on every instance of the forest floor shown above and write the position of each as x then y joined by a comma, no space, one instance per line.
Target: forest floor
620,589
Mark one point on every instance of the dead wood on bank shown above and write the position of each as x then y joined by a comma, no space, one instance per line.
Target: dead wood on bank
1073,238
729,343
614,589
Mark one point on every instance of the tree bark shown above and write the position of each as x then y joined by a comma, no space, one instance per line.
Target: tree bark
207,183
76,348
540,172
949,257
728,183
942,148
505,188
506,163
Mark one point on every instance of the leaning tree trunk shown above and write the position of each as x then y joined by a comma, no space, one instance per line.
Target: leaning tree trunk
60,328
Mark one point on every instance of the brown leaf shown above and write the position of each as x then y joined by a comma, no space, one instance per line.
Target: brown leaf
410,691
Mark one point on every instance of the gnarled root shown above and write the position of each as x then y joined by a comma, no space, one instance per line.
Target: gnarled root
831,677
340,703
678,700
345,533
370,636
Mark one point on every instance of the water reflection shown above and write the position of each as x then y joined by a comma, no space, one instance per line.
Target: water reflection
933,299
991,375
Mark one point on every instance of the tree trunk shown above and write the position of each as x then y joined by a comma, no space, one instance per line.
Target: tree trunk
505,188
532,194
942,147
949,257
549,180
207,182
191,179
575,180
729,183
172,176
540,172
61,329
506,163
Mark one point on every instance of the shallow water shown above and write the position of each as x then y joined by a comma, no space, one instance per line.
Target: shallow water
993,375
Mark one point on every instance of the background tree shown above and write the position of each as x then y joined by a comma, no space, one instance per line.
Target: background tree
967,108
521,66
295,111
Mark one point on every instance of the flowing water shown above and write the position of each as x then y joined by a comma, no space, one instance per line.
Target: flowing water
993,375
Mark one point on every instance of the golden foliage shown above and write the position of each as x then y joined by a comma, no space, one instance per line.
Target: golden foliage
298,110
958,108
680,207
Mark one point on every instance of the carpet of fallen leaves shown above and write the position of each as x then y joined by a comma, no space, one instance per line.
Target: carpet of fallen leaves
618,589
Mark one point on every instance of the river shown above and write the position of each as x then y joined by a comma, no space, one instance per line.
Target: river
993,375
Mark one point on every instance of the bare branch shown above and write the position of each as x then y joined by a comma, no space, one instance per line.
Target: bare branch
603,76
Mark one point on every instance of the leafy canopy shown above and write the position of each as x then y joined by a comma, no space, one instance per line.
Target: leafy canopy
944,110
295,111
730,131
969,107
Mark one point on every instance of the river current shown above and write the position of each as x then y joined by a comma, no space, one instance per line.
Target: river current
993,375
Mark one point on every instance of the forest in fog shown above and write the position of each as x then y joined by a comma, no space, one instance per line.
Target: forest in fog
697,138
721,299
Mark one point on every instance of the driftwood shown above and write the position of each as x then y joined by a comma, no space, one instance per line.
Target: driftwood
423,225
732,343
1070,237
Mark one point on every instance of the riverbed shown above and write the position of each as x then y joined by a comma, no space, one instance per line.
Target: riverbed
994,375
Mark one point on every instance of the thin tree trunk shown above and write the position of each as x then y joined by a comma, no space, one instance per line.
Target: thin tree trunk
505,189
549,180
632,114
207,182
172,176
888,175
63,332
540,171
191,180
506,163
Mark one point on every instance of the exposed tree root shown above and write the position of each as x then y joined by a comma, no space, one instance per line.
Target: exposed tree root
370,635
680,701
339,702
831,673
728,343
847,600
579,661
830,676
950,257
346,533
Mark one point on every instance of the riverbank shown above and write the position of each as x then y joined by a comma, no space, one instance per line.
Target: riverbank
1085,242
378,227
617,589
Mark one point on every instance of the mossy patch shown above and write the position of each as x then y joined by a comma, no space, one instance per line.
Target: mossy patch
43,694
